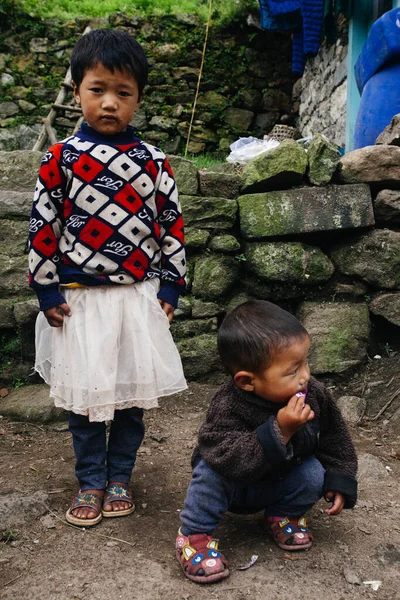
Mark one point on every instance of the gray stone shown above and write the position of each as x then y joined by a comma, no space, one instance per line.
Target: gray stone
185,173
214,276
184,309
19,170
284,165
387,207
201,309
17,509
163,123
305,210
264,122
371,469
323,158
355,289
371,164
275,99
352,408
187,329
165,52
196,238
391,134
7,320
38,45
139,120
213,213
238,299
339,334
199,356
224,243
26,107
6,80
351,576
13,275
387,306
374,257
212,101
21,137
172,144
8,109
15,204
19,92
26,311
31,403
288,262
239,119
13,237
223,185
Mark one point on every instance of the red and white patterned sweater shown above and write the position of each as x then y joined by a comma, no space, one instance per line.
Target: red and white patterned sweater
105,211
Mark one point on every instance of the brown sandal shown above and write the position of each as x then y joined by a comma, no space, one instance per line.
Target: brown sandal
85,500
117,492
199,558
290,533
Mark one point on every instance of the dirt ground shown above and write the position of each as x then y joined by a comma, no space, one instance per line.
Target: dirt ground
133,557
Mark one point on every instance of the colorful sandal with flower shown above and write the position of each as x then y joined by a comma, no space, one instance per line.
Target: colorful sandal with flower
290,533
85,500
199,558
117,492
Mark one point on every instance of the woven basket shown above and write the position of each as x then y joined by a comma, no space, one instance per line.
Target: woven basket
284,132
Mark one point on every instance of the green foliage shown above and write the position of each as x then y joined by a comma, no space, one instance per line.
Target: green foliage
203,161
223,12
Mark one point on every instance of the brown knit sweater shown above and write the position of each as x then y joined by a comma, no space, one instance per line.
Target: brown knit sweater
241,439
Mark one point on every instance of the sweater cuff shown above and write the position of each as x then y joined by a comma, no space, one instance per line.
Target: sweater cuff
273,446
169,293
49,298
343,484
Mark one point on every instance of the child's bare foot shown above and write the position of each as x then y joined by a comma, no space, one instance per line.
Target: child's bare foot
117,500
85,509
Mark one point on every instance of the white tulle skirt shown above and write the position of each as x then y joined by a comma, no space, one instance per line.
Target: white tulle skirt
115,351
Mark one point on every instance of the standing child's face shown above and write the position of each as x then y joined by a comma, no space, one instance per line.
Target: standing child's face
108,100
286,375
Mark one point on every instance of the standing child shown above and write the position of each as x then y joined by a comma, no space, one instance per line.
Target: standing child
273,440
107,262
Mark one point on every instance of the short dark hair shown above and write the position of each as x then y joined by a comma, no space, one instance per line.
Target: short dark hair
112,48
253,333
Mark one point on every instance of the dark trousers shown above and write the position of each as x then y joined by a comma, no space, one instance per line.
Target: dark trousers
97,464
210,495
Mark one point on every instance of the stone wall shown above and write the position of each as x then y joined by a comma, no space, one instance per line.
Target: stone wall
315,233
320,95
245,89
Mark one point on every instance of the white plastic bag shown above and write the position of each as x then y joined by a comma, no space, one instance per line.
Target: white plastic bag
245,149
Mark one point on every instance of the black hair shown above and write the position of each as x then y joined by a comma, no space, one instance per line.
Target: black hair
112,48
253,333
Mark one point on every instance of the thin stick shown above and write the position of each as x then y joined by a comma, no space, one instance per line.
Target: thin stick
12,580
109,537
388,403
199,78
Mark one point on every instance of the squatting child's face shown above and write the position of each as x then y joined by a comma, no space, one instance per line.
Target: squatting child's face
286,375
108,100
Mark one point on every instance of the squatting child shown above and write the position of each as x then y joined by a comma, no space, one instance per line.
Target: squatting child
107,262
273,440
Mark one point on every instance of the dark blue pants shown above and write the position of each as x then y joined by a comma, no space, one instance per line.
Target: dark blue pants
210,495
97,464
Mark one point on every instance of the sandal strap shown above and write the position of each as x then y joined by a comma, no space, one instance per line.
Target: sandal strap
200,551
84,500
117,493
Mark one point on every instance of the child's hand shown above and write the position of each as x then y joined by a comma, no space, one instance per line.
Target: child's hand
168,309
293,416
55,314
337,503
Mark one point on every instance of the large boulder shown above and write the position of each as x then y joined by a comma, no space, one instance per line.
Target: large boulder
185,173
199,356
211,213
305,210
387,306
323,158
374,257
182,330
19,170
288,262
13,259
371,164
222,185
214,276
31,403
224,243
15,204
284,166
391,134
386,207
339,334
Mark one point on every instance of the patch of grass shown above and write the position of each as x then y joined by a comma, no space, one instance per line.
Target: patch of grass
203,161
224,11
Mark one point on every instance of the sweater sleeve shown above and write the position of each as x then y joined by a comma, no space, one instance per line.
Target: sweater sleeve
336,451
239,452
173,259
45,230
